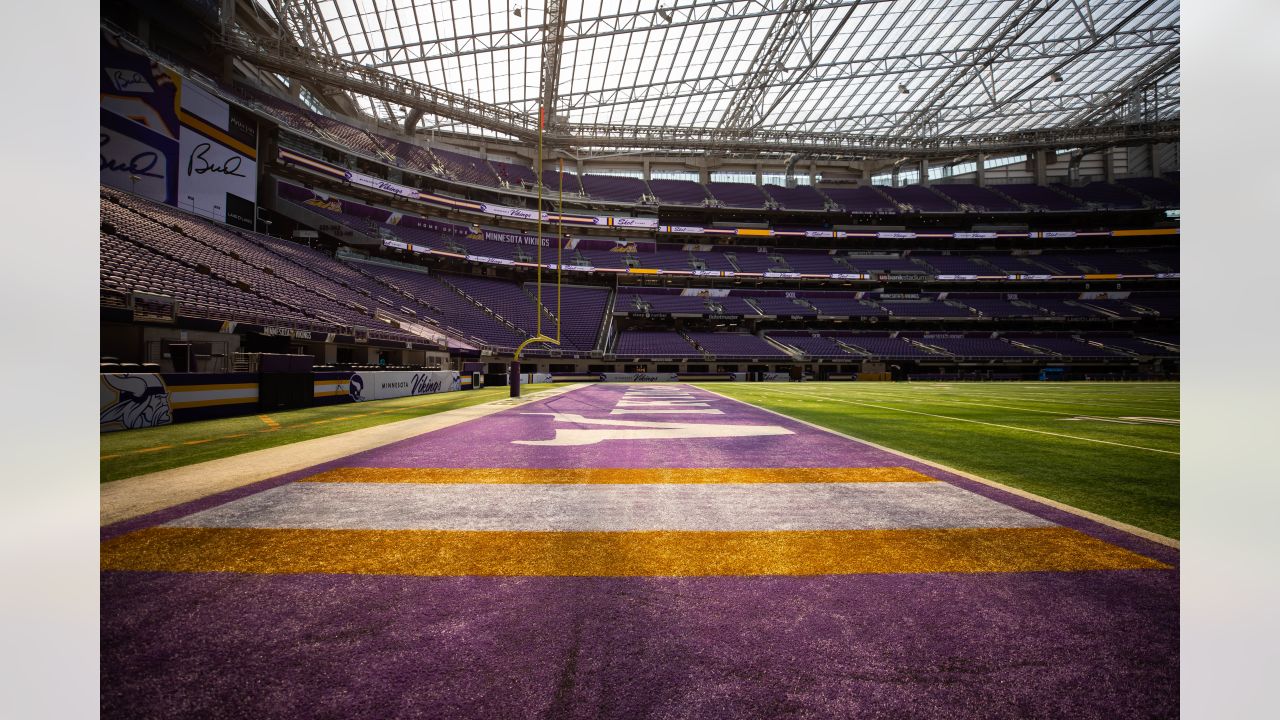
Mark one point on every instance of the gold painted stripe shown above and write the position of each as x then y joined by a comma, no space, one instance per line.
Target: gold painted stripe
1150,231
218,134
616,554
617,476
206,388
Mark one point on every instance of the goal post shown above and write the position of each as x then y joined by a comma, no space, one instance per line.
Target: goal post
539,336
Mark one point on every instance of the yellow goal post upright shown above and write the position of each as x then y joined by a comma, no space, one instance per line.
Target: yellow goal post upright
539,336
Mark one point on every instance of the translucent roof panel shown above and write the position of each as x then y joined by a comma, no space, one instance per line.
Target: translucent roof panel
890,68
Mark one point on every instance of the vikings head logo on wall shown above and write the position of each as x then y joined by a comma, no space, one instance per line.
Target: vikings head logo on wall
356,386
129,401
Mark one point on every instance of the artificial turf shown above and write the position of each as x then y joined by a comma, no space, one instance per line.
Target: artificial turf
136,452
1126,470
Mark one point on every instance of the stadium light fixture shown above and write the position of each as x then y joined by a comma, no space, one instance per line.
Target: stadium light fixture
903,89
1055,76
665,14
516,11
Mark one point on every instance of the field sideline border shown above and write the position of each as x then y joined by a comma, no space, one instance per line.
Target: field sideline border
1100,519
141,495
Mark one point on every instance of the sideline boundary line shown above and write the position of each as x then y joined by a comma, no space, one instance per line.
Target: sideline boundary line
139,495
975,422
1100,519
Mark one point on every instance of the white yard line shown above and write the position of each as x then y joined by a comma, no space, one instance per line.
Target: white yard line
976,422
1091,400
1100,519
936,399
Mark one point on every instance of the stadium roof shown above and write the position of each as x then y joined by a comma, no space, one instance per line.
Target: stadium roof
894,74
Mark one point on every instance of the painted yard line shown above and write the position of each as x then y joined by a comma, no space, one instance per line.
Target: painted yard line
616,554
977,422
944,400
1095,517
269,422
1127,395
143,494
1106,400
678,507
617,476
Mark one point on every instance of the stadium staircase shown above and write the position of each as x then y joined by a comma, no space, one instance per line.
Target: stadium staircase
794,353
1009,198
705,355
480,304
605,336
885,196
942,196
1059,189
1147,200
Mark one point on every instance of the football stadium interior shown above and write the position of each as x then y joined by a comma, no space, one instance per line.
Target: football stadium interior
716,358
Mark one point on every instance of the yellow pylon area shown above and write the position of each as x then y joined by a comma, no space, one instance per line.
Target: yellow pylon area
539,336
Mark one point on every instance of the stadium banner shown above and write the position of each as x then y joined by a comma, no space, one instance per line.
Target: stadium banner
515,238
384,384
973,235
511,212
218,171
490,260
1054,234
531,378
370,181
638,377
633,222
139,122
685,229
216,181
896,235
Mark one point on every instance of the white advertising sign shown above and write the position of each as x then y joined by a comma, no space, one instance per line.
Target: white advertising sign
369,181
214,180
384,384
123,159
635,222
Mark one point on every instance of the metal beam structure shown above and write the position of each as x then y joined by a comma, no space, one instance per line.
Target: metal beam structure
768,67
829,78
552,47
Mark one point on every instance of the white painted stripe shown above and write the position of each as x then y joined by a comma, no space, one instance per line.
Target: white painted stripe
615,508
190,396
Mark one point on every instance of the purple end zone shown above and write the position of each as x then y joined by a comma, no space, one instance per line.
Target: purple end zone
487,443
1098,644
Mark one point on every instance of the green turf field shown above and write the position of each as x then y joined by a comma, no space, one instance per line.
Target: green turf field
1020,434
135,452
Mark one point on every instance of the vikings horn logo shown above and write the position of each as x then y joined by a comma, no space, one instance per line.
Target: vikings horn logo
131,401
